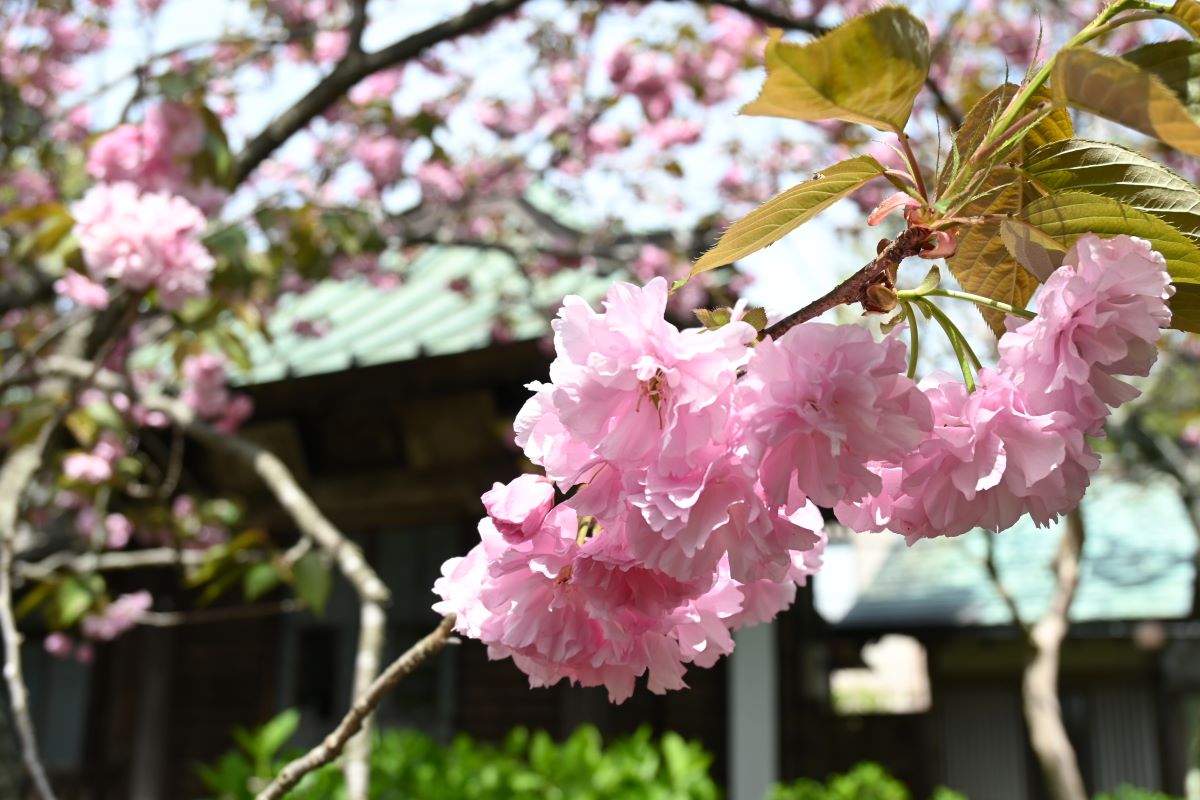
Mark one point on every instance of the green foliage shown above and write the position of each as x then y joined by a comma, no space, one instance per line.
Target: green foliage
824,78
1123,92
528,766
1133,793
866,781
1119,174
780,216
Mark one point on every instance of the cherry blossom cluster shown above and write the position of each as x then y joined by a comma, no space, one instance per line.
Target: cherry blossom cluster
142,241
686,519
1017,444
157,155
685,469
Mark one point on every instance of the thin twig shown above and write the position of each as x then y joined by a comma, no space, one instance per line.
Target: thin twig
989,562
171,619
332,745
352,69
16,474
852,290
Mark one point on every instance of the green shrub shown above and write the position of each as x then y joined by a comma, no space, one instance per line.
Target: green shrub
866,781
1133,793
529,766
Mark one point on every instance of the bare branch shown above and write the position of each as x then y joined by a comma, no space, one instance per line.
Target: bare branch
18,470
333,744
114,561
313,524
352,69
358,24
989,562
171,619
852,290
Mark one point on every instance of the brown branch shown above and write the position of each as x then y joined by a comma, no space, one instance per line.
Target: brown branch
16,474
853,290
313,524
989,563
333,744
115,561
358,24
352,69
171,619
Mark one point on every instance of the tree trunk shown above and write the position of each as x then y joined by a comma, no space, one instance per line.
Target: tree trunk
1039,684
1047,734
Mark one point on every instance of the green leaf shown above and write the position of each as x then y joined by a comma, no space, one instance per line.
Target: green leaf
1121,174
869,71
1187,14
35,597
258,580
71,601
1185,307
275,734
1069,215
982,264
313,581
1055,126
1176,64
781,215
1119,90
1036,251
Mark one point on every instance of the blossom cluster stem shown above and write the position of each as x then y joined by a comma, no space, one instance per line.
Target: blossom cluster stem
978,300
853,289
364,705
914,339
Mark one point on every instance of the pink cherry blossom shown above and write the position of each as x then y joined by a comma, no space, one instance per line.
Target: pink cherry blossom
144,241
822,401
117,617
1098,316
81,290
205,387
988,461
518,508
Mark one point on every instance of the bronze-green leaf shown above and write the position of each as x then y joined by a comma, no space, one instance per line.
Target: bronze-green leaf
1123,92
868,70
1036,251
1069,215
1113,171
1177,64
781,215
1187,14
982,264
1185,307
1054,126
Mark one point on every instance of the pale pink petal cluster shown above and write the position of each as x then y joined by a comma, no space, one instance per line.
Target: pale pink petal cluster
117,617
1017,445
206,391
669,539
157,155
144,241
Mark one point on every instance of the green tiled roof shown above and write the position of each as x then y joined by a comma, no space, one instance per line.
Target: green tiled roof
368,325
1137,564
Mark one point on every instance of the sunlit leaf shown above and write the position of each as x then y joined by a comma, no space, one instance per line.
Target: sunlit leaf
313,581
983,265
781,215
1113,171
259,579
1068,216
1176,64
1185,307
869,70
1037,252
1123,92
1054,126
1187,14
